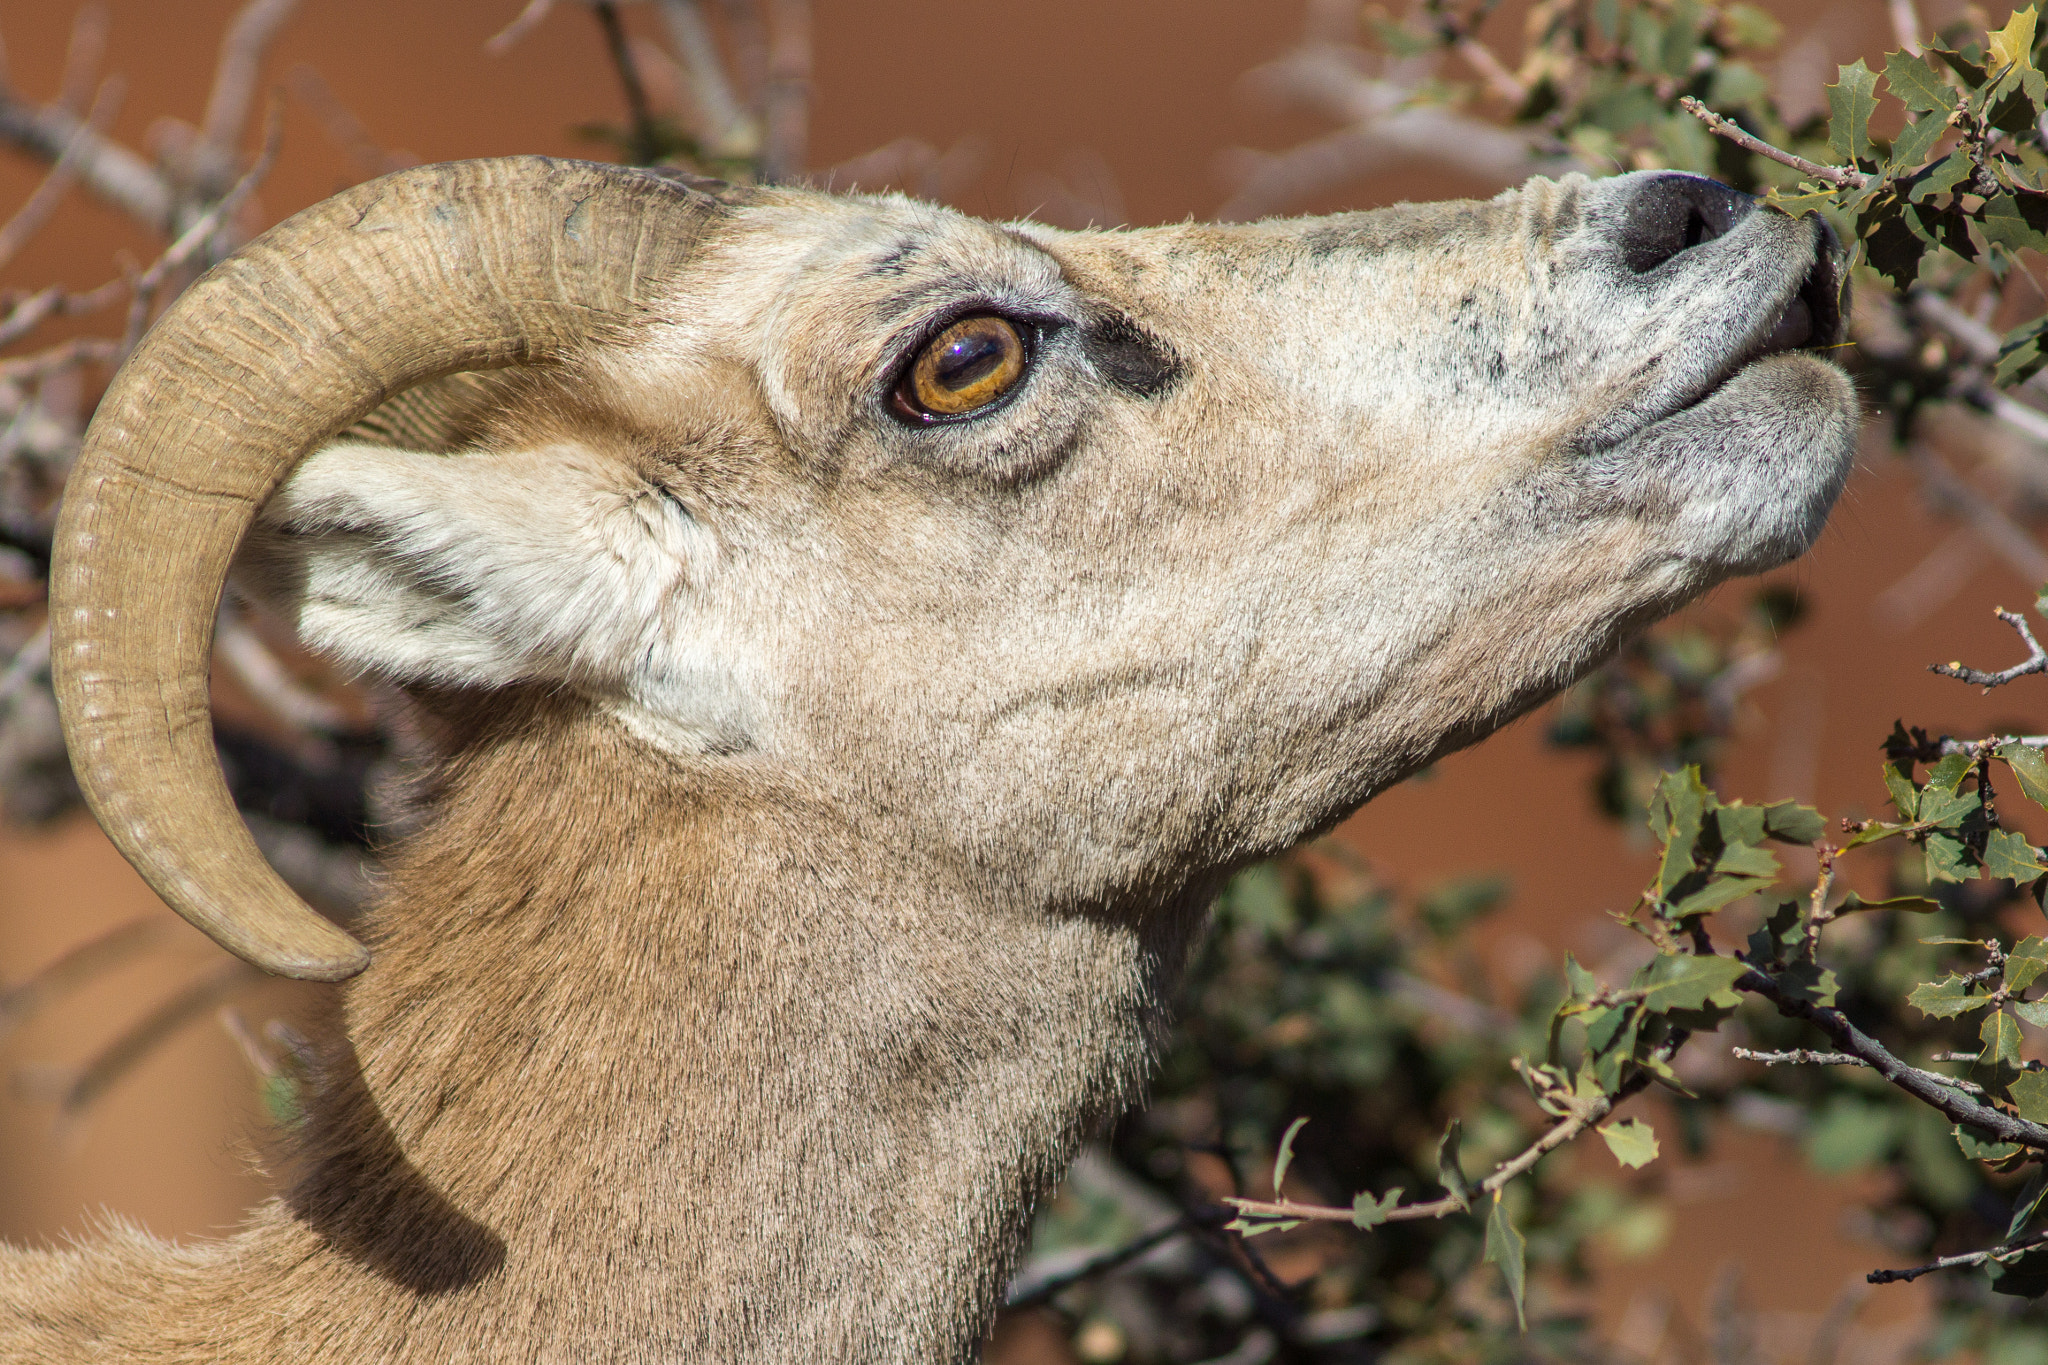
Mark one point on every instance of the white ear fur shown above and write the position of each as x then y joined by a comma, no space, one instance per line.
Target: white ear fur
479,570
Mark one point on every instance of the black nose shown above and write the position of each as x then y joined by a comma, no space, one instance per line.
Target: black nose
1668,214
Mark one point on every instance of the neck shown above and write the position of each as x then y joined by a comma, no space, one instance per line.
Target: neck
697,1066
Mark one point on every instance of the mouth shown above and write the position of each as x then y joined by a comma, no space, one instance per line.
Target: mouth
1811,320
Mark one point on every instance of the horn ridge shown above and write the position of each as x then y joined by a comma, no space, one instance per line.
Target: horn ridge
301,332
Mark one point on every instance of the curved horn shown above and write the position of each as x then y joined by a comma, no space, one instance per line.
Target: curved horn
463,266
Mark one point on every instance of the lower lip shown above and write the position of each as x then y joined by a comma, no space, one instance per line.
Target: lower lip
1794,329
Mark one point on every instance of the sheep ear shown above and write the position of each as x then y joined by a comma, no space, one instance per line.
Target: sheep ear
477,570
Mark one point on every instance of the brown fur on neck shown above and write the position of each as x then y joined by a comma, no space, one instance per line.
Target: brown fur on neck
662,1062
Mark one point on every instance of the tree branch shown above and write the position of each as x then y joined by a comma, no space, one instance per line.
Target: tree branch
1030,1295
1841,177
1807,1057
2032,1239
1935,1093
2035,662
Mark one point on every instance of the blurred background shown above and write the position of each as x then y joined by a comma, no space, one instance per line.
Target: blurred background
128,1093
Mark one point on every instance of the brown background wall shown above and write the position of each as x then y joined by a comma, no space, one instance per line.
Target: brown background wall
1148,90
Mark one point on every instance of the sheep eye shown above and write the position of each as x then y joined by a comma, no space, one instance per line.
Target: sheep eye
965,368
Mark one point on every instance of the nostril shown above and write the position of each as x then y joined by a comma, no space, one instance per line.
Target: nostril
1669,214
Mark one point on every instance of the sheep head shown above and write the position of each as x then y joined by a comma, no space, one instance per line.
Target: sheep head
1092,564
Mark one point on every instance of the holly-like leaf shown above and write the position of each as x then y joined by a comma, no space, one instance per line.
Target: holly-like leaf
2028,766
2000,1034
1286,1155
1718,892
2026,962
1948,774
1791,823
2030,1199
1808,200
1892,246
1947,998
1948,860
1633,1142
1781,931
2012,46
2015,223
1852,99
1677,813
1970,71
1944,176
2034,1012
2023,1274
1448,1168
2010,856
1679,981
1809,981
2029,1091
1917,84
1981,1146
1368,1212
1898,781
1252,1227
1506,1249
1747,860
1915,142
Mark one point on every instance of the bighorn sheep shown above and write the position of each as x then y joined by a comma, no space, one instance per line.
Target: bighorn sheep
862,638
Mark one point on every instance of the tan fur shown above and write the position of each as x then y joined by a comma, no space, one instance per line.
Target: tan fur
830,806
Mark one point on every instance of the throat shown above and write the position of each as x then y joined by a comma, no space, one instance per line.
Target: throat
726,1074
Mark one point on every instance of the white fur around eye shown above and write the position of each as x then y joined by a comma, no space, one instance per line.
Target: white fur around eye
550,565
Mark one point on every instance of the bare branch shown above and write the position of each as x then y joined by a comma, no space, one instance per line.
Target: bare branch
1498,78
729,130
37,208
342,127
82,57
80,966
267,680
105,167
2032,1239
501,42
643,143
28,661
234,77
2035,662
76,1090
1841,177
2005,536
1029,1294
1803,1056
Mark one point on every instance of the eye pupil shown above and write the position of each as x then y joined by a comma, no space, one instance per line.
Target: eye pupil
968,366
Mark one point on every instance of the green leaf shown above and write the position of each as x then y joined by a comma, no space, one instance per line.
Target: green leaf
1898,780
1248,1227
1740,824
2030,768
1747,860
1912,905
1611,1043
1916,83
2034,1012
1810,982
1676,814
1448,1169
2015,223
1286,1156
1979,1145
1746,26
1718,892
1368,1212
2001,1036
1915,142
2030,1199
2010,856
1799,205
1948,774
1970,71
1506,1249
1892,246
1584,984
2023,1274
1633,1142
1850,1133
1947,859
1684,982
2029,1091
1944,176
1947,998
1792,823
2026,962
2013,45
1852,99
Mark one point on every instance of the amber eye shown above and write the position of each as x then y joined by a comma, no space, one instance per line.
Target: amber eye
968,366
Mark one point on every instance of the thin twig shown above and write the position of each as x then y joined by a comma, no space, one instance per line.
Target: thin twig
728,131
339,122
28,661
37,208
2035,662
2032,1239
786,96
105,167
1807,1057
234,77
82,57
501,42
1841,177
1029,1295
643,140
80,966
118,1058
